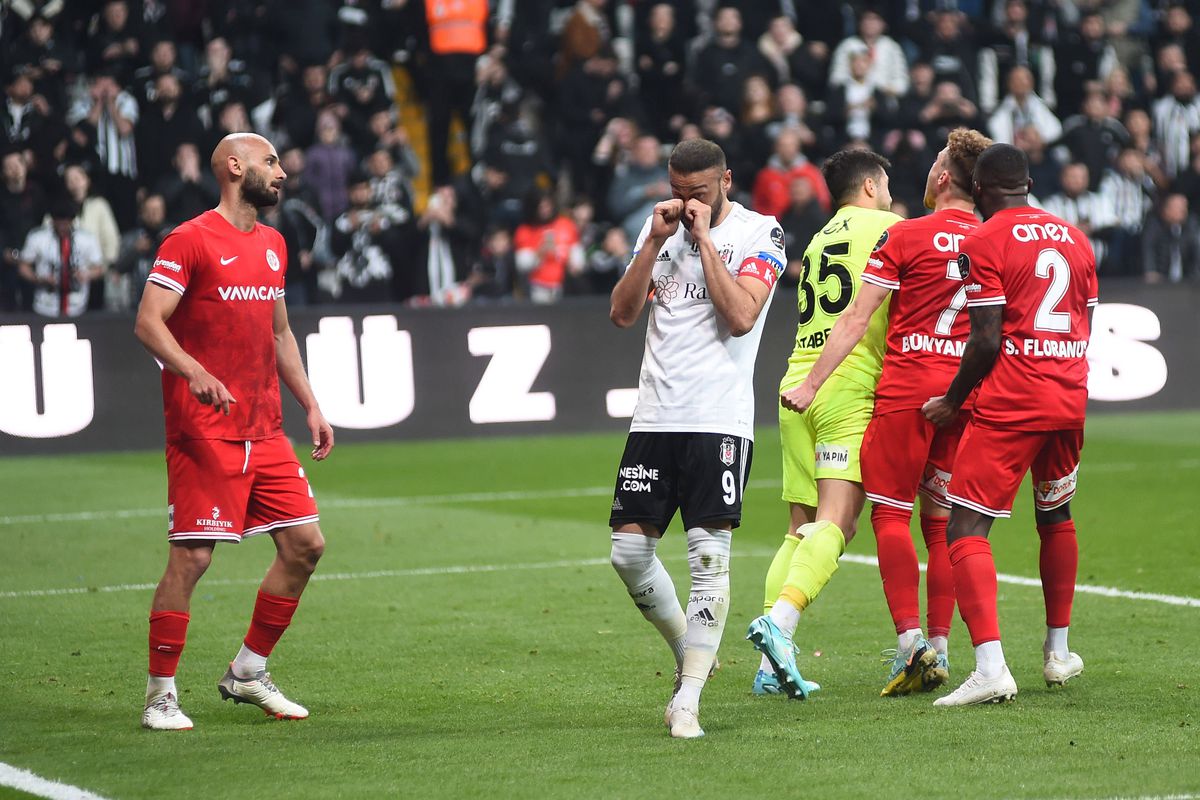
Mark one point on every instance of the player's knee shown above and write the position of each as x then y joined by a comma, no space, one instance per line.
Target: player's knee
708,557
1054,516
631,553
189,563
303,554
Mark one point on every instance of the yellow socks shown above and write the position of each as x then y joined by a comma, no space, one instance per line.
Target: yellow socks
777,572
813,563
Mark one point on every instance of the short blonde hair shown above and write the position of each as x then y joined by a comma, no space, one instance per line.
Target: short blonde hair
962,150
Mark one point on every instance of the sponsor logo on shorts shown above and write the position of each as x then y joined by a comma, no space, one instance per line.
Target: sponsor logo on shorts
1052,493
728,452
831,456
617,504
636,479
936,482
215,523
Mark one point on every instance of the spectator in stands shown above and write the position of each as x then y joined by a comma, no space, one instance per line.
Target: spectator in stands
438,278
1014,44
46,58
306,237
547,245
1141,138
1176,119
114,47
638,185
362,84
1171,243
221,81
803,218
857,106
297,107
720,126
24,116
605,262
329,163
662,56
1132,194
59,261
585,33
498,91
164,60
103,121
792,114
944,112
1021,107
388,134
886,67
721,67
952,54
22,206
390,192
167,120
773,184
1081,56
1177,27
96,217
1089,211
1093,137
484,199
911,154
1187,183
363,272
139,245
457,36
491,276
190,189
1043,169
792,59
592,93
296,183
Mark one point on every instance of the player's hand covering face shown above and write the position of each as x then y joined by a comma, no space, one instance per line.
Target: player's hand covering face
666,218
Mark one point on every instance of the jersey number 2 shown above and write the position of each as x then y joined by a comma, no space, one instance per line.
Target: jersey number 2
1052,265
827,269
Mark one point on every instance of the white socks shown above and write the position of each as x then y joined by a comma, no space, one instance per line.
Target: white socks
156,686
989,659
940,643
708,605
905,640
786,616
248,663
650,586
1056,643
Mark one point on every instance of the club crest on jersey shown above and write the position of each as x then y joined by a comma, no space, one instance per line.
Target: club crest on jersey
883,237
964,265
272,260
777,237
728,451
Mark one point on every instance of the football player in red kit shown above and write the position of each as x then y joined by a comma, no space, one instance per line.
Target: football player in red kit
903,454
213,315
1031,287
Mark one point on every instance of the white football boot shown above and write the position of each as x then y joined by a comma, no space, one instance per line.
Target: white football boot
1058,671
684,723
162,713
978,689
259,691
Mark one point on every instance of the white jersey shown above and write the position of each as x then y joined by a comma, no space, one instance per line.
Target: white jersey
696,376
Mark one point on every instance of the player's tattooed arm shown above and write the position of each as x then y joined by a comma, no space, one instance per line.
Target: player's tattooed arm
983,346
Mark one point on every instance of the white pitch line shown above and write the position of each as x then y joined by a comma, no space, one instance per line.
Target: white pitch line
464,497
462,569
26,781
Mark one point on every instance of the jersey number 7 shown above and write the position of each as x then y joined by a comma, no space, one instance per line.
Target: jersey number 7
827,269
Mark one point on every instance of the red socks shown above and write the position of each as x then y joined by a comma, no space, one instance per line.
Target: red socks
168,632
898,565
272,615
975,587
939,578
1059,562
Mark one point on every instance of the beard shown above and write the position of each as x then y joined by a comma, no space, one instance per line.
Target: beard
257,191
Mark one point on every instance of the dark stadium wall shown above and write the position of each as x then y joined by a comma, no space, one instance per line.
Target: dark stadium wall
383,373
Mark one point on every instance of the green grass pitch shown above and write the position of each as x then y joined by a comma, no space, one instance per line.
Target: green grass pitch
467,638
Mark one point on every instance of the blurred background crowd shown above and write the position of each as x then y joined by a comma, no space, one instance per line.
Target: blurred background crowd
459,151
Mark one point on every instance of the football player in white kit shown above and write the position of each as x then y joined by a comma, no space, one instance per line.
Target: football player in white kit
708,281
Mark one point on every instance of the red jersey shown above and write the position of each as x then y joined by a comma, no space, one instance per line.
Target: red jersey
1042,270
917,259
229,281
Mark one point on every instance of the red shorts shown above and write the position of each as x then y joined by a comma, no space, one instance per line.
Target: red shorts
228,490
991,462
903,453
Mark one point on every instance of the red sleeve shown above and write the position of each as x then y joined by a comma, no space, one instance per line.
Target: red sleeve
174,262
524,238
884,263
980,268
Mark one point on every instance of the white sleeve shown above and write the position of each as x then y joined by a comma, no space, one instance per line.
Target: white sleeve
641,240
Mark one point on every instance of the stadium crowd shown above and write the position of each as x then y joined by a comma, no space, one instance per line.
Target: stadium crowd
568,111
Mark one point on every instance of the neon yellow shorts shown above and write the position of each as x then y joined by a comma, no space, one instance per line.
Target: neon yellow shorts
824,441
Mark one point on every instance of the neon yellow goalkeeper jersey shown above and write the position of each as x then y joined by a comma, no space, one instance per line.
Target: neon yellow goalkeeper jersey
833,265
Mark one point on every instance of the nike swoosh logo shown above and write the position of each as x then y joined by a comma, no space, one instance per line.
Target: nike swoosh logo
227,261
